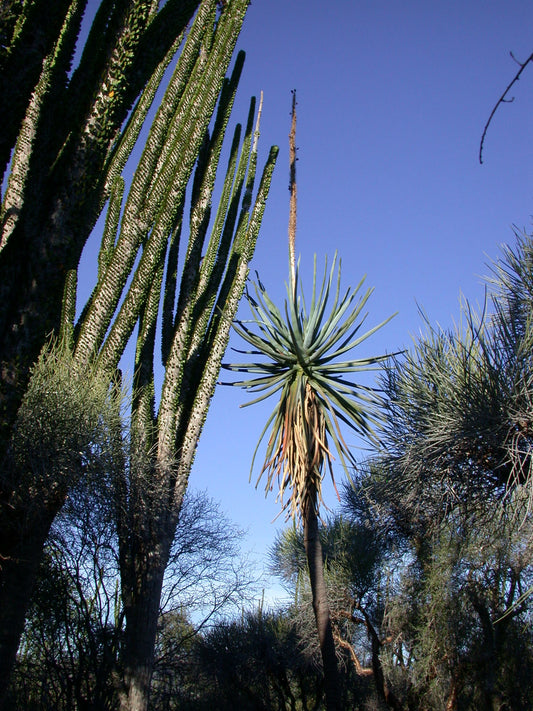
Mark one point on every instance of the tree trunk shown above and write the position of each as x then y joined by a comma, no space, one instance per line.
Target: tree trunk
313,550
19,571
382,687
144,556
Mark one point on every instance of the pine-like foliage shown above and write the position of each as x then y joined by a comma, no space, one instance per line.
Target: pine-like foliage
458,405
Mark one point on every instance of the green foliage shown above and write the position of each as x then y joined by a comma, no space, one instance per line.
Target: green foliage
68,417
451,489
257,663
347,544
458,405
449,614
439,623
301,349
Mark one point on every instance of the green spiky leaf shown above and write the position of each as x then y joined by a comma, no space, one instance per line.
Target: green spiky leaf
298,350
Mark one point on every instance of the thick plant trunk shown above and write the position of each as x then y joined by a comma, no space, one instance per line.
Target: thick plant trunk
139,644
19,571
143,566
313,550
382,688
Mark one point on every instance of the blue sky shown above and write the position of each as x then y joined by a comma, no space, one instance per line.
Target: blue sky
392,97
392,100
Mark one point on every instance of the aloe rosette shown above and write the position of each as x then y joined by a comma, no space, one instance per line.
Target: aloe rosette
302,355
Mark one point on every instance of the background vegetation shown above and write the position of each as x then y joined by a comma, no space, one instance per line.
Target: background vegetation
429,567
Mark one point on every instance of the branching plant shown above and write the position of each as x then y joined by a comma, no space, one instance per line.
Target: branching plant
142,273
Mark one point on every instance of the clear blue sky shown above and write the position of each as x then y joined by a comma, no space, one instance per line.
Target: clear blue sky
392,96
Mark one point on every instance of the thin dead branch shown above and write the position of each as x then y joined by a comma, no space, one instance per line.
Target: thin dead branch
292,189
503,100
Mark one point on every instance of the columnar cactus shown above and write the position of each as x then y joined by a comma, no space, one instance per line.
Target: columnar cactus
63,171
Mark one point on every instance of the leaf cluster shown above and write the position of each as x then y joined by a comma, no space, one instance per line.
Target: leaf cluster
70,421
300,352
458,412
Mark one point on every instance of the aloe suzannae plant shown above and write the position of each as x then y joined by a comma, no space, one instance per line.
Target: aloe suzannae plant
302,353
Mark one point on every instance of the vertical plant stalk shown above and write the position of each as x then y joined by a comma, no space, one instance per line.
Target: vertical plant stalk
313,425
198,309
293,192
300,354
313,551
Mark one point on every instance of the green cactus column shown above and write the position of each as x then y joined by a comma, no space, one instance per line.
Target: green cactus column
66,165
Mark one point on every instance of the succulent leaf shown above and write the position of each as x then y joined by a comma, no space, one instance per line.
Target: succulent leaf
299,352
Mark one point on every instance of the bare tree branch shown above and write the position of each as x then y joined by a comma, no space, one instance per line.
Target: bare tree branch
503,100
